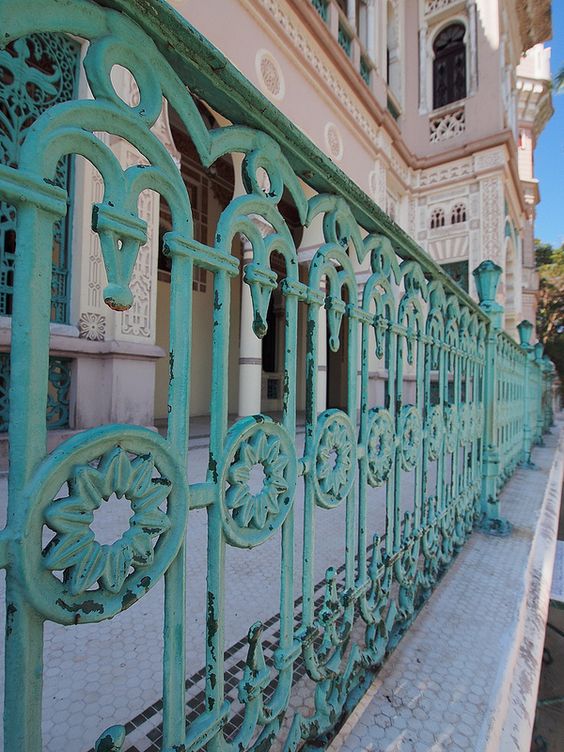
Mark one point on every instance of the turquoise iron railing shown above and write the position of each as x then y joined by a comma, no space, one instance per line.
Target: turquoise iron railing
439,460
38,72
58,392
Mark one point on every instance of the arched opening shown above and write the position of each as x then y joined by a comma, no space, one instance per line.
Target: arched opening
437,218
210,191
458,214
449,65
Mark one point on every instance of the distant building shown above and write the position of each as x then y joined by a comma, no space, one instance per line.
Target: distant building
432,107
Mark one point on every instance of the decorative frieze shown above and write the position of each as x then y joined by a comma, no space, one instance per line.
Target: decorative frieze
434,6
446,172
341,92
487,160
447,125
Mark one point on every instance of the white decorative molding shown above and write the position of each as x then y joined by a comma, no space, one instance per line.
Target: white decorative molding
377,183
434,6
162,131
489,159
411,223
92,326
269,75
341,92
333,142
445,172
392,206
491,217
454,191
447,125
137,321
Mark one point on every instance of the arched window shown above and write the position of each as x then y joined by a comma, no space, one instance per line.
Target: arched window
437,218
458,214
449,66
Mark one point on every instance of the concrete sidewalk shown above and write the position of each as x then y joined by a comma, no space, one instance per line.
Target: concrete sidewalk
465,676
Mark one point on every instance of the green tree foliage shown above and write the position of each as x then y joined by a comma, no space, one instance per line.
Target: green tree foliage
550,310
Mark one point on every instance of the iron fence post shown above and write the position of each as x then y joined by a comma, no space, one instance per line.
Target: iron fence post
486,276
525,329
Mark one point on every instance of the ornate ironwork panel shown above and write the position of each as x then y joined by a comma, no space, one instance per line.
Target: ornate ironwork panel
36,73
435,459
58,392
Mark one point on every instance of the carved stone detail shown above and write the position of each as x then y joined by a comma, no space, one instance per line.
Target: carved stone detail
452,171
136,321
491,217
486,160
434,6
333,141
447,125
269,74
92,326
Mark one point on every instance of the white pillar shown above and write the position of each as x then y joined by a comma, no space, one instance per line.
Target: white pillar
250,351
351,12
371,29
322,361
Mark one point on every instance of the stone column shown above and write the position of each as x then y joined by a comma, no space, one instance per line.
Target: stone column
371,29
250,350
322,361
423,105
351,12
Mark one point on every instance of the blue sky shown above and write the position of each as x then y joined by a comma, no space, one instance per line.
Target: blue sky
549,155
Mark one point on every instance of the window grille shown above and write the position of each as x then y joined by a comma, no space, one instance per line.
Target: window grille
36,73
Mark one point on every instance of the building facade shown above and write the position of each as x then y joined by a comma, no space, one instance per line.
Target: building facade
432,107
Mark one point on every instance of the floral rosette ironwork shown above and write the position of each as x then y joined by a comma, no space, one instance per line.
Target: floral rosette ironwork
380,446
435,431
334,458
73,577
410,435
451,427
250,517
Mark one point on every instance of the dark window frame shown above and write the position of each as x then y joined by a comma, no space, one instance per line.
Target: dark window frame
449,65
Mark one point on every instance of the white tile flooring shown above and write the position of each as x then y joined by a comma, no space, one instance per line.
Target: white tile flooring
99,675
